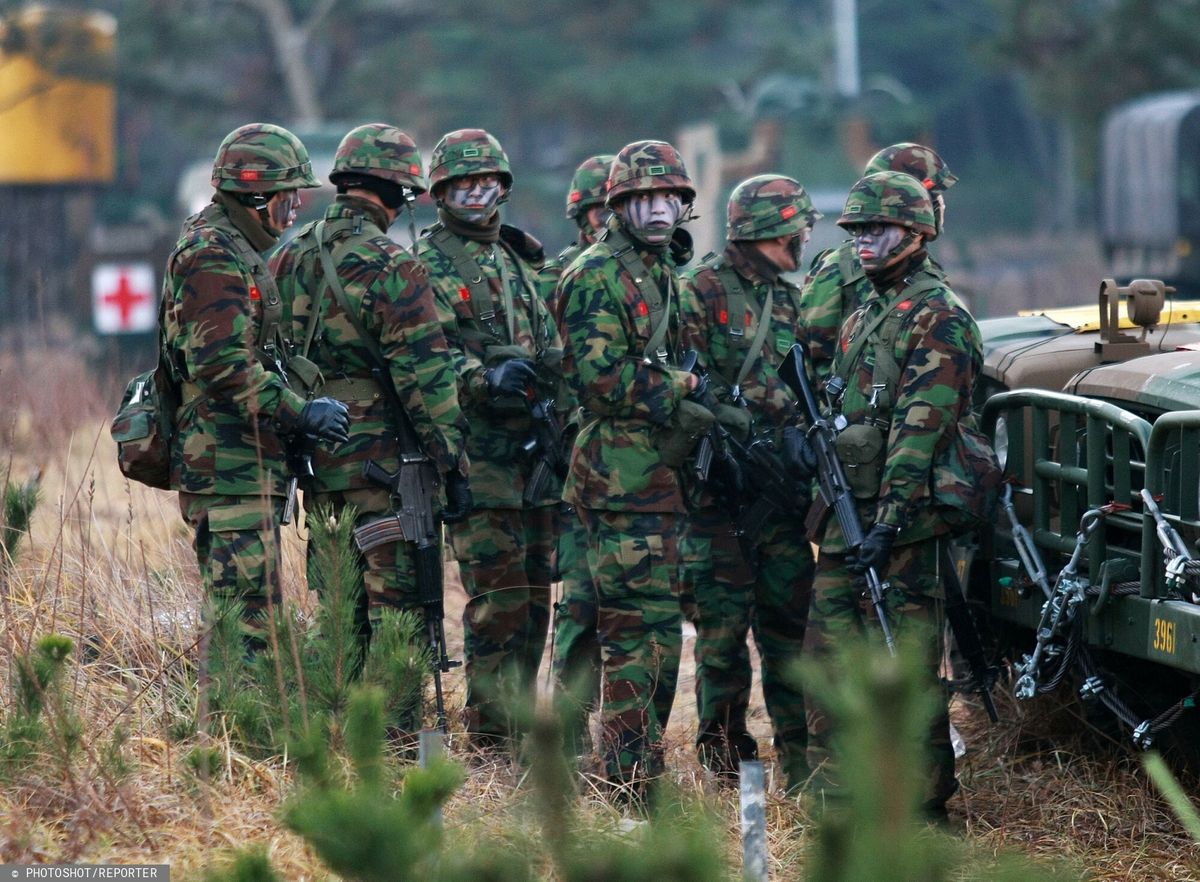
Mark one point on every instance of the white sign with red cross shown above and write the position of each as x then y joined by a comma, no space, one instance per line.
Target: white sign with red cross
123,298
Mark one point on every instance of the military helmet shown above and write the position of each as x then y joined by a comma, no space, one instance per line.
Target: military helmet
890,197
923,163
468,152
380,151
262,158
648,165
766,206
589,184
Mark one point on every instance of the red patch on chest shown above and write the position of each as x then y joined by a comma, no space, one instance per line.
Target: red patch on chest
255,294
642,308
465,294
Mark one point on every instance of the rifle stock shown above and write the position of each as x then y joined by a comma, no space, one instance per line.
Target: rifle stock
831,477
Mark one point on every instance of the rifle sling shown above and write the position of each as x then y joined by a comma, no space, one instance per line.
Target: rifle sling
660,311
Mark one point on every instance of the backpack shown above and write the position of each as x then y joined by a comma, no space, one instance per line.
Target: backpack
144,426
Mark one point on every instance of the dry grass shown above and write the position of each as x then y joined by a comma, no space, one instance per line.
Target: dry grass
110,565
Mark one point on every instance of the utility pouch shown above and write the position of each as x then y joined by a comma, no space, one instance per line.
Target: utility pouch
679,437
144,426
966,480
860,448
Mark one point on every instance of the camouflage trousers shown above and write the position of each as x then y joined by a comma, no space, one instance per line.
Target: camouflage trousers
387,573
633,558
914,604
504,558
237,547
576,657
726,600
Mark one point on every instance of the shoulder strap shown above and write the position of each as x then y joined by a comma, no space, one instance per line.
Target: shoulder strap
269,336
660,310
469,270
890,320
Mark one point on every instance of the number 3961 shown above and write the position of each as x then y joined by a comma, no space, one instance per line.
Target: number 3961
1164,636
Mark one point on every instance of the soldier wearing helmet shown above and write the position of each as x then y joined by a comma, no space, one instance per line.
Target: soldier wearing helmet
223,337
740,315
908,359
491,292
576,661
621,314
836,285
380,348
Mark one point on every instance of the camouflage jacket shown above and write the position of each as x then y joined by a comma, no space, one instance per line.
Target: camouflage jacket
938,350
833,289
498,429
234,408
709,328
627,397
390,291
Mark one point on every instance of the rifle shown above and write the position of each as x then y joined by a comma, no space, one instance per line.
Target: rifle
413,488
835,490
966,635
546,444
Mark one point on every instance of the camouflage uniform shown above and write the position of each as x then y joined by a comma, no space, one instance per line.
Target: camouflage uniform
393,301
576,656
937,349
491,296
227,458
836,285
726,597
615,296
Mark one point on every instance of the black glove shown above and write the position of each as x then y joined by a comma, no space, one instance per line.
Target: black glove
325,418
701,394
510,377
874,552
458,498
798,454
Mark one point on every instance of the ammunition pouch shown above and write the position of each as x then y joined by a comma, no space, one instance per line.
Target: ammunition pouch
675,442
144,427
304,377
736,420
861,449
966,480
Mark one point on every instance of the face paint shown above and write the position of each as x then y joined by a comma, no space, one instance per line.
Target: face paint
796,248
473,198
652,216
282,209
939,211
595,219
876,245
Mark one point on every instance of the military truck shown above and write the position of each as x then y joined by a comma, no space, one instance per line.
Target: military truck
1090,575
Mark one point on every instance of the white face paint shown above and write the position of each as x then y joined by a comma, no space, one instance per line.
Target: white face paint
282,209
654,214
473,198
874,244
597,216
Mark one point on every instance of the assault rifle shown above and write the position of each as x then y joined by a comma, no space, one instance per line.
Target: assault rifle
831,477
546,444
413,488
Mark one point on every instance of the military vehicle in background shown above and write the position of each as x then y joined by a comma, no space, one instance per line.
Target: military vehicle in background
1150,189
1088,577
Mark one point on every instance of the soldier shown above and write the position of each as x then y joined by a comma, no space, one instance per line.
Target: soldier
224,342
620,309
741,316
909,357
836,285
491,295
585,206
576,656
384,356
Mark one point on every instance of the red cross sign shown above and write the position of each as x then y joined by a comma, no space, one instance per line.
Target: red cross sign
123,298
